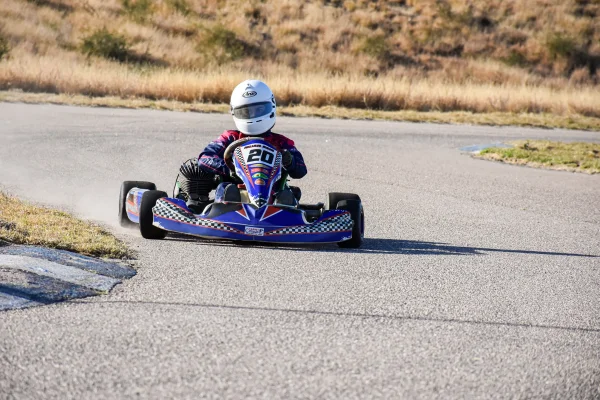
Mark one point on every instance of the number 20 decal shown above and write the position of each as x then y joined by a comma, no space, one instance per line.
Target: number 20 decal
261,155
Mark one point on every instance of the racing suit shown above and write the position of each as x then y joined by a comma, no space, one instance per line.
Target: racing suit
211,158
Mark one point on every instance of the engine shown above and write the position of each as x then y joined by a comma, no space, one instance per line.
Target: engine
193,183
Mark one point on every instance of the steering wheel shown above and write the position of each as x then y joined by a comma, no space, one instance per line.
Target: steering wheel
228,155
228,158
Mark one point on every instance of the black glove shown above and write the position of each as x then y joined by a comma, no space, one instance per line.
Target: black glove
287,158
233,177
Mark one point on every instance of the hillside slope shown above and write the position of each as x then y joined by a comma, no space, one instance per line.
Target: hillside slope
480,56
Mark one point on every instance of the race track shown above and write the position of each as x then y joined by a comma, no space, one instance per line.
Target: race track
476,280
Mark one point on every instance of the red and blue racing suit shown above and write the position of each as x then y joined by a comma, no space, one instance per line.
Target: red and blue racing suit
211,158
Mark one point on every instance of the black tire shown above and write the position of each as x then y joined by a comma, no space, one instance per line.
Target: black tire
334,198
125,188
358,216
148,230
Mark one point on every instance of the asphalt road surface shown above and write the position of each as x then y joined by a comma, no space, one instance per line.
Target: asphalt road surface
476,279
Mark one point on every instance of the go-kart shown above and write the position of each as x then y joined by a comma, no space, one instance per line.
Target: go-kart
258,205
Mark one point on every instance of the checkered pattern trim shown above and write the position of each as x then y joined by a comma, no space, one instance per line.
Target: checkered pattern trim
277,162
342,222
240,157
166,209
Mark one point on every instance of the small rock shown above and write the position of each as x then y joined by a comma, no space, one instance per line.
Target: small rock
9,226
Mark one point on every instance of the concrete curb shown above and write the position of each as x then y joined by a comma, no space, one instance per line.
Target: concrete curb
32,276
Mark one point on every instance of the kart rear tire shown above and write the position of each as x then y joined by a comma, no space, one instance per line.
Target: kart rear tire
126,186
355,208
334,198
148,230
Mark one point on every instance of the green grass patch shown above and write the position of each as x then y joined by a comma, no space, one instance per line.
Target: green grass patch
24,223
577,157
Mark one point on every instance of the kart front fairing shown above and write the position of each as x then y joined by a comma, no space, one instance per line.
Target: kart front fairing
258,164
240,221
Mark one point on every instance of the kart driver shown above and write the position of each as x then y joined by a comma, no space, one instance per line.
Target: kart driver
253,109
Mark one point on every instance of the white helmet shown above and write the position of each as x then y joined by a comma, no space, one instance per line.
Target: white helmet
253,107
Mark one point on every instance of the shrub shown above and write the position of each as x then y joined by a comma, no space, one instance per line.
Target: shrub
103,43
4,47
138,10
560,45
375,46
181,6
222,45
515,59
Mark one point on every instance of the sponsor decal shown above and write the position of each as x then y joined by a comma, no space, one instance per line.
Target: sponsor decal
250,230
259,201
133,198
249,93
259,182
260,175
263,170
130,208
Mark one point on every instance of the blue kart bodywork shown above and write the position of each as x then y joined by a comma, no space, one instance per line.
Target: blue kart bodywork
259,217
238,221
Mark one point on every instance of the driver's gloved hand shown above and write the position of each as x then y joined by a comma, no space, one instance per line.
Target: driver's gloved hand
286,158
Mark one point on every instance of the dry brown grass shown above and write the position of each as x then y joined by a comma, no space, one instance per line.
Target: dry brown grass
105,78
515,56
452,117
24,223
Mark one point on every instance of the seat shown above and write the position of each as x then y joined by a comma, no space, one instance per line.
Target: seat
285,198
228,192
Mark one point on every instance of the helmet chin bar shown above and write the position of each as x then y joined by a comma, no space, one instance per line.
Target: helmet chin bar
262,127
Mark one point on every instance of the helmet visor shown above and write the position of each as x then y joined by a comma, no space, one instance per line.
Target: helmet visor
251,111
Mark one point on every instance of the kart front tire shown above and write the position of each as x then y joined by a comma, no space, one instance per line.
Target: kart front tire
334,198
149,200
355,208
126,186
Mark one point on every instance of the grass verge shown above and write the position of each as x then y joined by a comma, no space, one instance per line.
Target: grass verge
23,223
573,121
574,157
